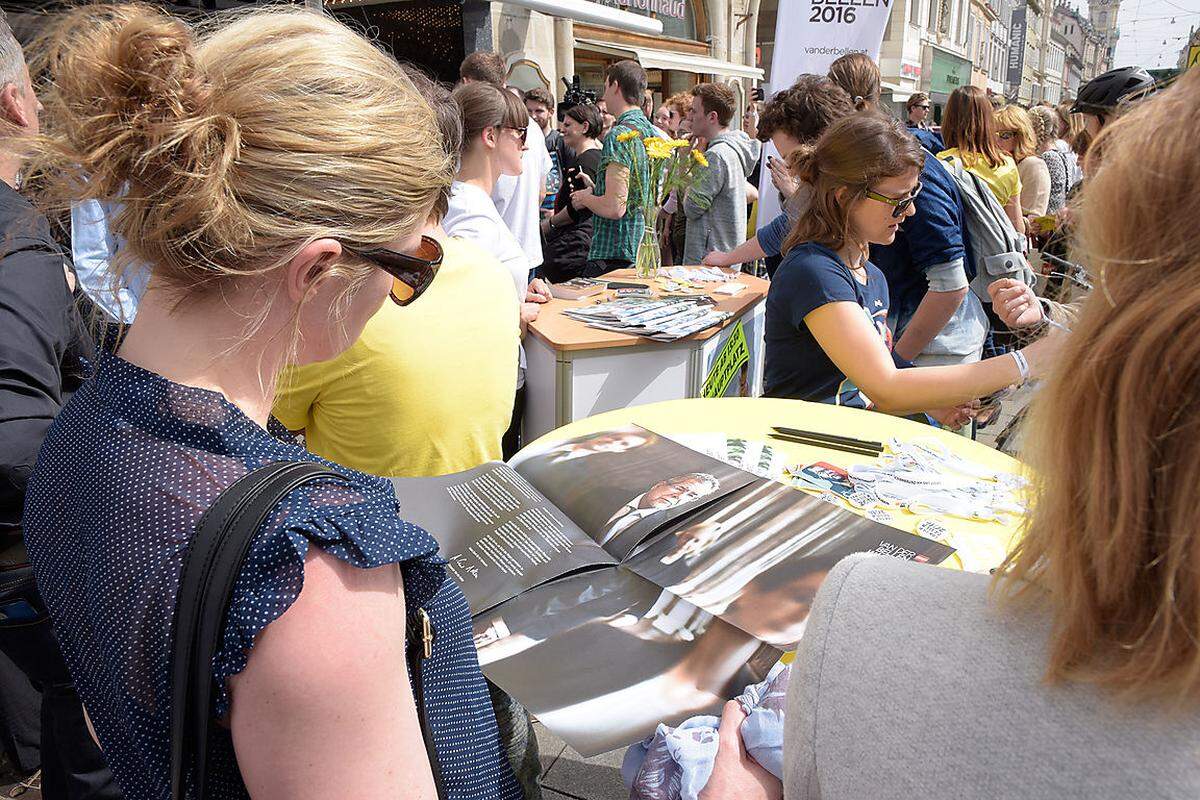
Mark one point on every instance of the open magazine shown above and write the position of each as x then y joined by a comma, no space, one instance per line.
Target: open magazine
620,579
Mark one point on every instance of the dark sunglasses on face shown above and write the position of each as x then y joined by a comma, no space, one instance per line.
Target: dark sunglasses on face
924,107
519,131
1004,136
899,204
411,274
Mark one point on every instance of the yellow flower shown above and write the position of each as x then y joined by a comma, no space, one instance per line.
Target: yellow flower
699,158
657,148
677,143
627,136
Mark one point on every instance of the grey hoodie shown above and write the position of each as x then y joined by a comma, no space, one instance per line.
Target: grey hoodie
716,206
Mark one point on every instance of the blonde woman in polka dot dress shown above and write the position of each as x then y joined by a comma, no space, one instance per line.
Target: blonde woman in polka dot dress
272,167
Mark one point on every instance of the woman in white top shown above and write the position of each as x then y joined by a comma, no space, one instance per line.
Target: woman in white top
1014,130
494,127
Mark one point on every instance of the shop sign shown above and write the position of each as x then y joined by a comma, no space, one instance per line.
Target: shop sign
663,8
1016,46
908,70
677,16
948,73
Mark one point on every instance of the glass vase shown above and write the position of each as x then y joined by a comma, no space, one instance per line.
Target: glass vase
649,254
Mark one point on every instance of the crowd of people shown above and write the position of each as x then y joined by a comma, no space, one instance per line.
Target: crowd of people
284,245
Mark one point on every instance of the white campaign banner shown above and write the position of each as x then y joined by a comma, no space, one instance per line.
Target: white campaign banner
809,36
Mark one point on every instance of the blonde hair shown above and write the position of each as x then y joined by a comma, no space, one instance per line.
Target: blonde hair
1050,121
233,145
1017,119
1114,535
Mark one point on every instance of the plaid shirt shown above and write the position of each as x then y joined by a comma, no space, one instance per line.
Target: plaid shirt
618,238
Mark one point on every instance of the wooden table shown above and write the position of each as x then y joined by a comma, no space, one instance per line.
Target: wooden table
574,371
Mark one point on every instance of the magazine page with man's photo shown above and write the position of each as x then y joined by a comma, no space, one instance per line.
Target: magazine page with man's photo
621,485
602,657
757,558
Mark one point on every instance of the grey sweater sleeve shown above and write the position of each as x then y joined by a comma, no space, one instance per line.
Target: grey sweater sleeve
699,198
800,779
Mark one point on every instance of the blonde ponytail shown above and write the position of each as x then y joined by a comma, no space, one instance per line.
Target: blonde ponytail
233,145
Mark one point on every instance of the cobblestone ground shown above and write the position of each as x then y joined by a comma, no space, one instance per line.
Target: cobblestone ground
566,775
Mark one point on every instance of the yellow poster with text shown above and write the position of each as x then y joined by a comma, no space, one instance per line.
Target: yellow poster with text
734,355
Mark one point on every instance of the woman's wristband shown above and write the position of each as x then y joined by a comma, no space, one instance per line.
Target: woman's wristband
1022,364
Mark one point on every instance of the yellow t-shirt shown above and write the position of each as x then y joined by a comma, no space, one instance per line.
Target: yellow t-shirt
428,388
1004,180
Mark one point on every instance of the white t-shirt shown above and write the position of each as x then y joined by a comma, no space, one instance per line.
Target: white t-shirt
472,216
518,197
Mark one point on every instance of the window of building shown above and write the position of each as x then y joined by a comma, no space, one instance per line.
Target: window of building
914,12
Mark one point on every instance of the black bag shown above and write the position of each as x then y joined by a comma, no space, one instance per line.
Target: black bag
210,569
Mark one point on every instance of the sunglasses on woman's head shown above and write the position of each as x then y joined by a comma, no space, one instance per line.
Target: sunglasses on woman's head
899,204
411,274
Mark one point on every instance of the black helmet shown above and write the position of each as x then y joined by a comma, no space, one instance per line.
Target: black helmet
1105,92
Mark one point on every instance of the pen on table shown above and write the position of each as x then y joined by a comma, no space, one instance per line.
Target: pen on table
845,448
829,437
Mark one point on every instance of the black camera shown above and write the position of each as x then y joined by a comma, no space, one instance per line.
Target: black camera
575,95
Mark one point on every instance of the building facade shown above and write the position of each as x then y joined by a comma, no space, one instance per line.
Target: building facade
927,48
1103,14
547,42
1084,48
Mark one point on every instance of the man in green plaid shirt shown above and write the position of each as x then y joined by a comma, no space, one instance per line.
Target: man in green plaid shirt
617,224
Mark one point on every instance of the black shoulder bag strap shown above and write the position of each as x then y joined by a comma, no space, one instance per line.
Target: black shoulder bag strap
210,569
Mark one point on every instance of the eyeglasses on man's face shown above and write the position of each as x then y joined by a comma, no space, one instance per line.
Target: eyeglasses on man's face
899,204
411,274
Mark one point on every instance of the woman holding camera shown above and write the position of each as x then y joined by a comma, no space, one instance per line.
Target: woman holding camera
568,232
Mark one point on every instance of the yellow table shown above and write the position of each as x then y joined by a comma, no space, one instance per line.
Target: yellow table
981,545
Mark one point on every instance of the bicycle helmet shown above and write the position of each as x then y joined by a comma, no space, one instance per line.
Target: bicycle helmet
1105,92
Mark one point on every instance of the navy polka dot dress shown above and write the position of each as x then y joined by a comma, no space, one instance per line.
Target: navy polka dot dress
125,473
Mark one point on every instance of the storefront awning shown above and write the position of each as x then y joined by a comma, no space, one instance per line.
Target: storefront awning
594,14
653,58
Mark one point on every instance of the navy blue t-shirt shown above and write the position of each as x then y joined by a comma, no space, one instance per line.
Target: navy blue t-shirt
930,237
771,235
795,366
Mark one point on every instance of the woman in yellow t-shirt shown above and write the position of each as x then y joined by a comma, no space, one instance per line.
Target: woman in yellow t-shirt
969,131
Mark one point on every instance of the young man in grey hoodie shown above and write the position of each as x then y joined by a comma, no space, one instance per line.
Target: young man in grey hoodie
716,206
